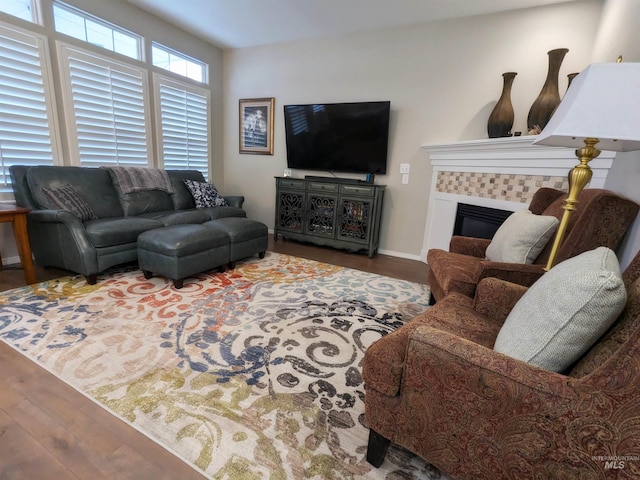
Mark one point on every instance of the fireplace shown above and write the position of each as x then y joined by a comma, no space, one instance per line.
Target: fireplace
496,173
477,221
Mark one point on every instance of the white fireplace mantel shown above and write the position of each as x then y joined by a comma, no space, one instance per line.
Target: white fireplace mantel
496,173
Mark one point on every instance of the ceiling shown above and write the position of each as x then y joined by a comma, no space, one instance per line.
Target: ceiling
245,23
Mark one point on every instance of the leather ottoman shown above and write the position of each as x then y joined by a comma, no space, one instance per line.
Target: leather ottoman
246,237
180,251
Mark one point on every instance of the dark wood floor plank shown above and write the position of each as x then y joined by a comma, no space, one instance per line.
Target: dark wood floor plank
48,430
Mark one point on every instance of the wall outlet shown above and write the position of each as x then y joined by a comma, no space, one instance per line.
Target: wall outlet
405,167
405,179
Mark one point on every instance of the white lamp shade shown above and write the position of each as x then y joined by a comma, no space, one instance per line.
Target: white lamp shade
602,102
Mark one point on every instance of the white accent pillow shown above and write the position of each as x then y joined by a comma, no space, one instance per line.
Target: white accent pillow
521,237
563,313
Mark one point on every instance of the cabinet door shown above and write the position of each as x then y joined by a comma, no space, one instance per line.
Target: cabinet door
355,219
291,209
321,214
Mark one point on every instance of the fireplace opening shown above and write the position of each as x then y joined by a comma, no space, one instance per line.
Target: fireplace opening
479,222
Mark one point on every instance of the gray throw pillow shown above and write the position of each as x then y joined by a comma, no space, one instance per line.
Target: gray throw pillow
67,198
565,312
205,194
521,237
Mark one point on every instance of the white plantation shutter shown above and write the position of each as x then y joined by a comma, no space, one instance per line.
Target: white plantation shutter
108,103
183,116
27,134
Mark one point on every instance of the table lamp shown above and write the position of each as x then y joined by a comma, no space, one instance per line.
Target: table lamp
601,108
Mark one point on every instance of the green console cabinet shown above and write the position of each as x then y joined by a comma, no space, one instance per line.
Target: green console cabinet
337,213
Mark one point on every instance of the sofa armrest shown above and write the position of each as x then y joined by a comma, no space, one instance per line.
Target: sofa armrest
234,200
58,238
54,216
495,298
475,247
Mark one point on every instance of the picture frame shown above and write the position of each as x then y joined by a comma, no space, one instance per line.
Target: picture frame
256,125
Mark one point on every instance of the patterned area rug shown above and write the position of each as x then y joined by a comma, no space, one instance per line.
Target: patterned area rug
254,373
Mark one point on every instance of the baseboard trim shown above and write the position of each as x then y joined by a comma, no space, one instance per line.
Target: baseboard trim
392,253
408,256
10,260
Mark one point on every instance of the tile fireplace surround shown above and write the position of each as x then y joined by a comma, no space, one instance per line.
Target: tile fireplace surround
501,173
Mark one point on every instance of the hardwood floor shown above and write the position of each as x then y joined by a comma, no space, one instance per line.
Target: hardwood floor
50,431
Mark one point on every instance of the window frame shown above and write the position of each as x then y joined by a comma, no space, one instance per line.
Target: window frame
86,16
183,56
160,79
69,113
51,109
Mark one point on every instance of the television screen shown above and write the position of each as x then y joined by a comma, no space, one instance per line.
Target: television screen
340,137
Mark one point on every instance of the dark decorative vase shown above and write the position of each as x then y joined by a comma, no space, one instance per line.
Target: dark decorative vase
570,78
501,118
549,97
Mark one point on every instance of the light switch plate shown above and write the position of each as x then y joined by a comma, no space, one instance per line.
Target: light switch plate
405,179
405,167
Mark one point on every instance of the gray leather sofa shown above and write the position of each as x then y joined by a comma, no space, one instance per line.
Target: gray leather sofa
59,239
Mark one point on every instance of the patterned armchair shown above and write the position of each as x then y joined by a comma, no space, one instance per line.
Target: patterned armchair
602,219
436,387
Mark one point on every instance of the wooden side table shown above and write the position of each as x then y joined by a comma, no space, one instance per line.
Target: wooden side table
18,217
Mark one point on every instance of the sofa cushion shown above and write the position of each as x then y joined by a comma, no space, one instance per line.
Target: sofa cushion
92,184
223,212
182,198
565,311
146,201
180,217
521,237
67,198
142,190
105,232
205,194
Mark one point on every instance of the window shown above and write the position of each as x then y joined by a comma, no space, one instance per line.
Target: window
104,95
167,59
27,133
81,25
108,104
183,117
24,9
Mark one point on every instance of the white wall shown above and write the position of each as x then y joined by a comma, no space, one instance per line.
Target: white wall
443,79
618,35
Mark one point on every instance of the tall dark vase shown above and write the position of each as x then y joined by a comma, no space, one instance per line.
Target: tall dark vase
549,97
501,118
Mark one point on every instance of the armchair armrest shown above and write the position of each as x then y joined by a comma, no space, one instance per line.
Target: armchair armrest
435,357
520,273
495,298
476,247
234,200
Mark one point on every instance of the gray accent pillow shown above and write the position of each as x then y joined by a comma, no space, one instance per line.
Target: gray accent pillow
565,312
205,194
67,198
521,237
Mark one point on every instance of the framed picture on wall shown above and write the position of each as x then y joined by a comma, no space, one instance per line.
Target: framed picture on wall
256,125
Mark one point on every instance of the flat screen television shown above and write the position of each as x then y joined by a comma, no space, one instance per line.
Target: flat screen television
338,137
